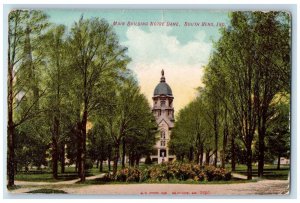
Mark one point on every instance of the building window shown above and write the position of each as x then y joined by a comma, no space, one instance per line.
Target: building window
163,135
162,153
162,103
163,143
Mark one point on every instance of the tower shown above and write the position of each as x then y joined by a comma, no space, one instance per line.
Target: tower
164,114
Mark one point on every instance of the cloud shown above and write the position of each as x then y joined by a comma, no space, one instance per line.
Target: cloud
158,49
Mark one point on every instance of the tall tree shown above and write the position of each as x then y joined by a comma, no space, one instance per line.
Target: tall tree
273,67
192,130
24,31
128,114
252,77
96,55
56,79
278,132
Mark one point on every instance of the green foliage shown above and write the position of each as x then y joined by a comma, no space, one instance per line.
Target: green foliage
88,164
247,75
173,171
128,175
215,174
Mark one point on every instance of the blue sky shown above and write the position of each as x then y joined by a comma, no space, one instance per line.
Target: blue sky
68,16
181,51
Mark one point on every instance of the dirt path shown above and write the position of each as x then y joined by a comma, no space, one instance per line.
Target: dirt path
68,182
260,187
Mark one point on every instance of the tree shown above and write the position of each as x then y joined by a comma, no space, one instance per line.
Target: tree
278,132
24,30
191,131
56,79
247,63
273,67
96,54
127,115
98,143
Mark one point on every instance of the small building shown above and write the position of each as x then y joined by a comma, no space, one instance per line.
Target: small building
163,111
283,161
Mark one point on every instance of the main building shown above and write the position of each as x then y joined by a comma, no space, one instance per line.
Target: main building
163,111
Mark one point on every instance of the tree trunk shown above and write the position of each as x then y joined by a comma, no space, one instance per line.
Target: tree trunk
62,158
97,163
225,138
207,157
123,152
216,139
191,154
197,156
11,131
137,160
201,156
11,154
278,164
101,165
83,144
261,144
233,155
249,162
116,158
131,159
55,152
79,147
109,164
10,101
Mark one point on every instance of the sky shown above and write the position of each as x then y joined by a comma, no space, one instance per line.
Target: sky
180,50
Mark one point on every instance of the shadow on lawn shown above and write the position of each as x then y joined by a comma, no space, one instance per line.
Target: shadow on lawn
269,174
47,191
46,176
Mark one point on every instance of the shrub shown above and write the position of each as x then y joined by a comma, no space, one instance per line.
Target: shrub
185,172
134,175
216,174
128,175
168,171
156,173
122,174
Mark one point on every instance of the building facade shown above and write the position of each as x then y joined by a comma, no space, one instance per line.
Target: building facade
163,111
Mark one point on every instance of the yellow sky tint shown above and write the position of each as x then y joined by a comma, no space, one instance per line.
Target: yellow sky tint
182,80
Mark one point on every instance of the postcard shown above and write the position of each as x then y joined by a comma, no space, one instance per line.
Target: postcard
148,102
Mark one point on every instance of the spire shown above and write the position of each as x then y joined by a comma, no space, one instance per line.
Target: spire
162,79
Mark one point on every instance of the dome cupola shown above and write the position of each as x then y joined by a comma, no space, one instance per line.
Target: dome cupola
162,88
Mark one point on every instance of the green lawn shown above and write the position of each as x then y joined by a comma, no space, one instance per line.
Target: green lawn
46,175
270,171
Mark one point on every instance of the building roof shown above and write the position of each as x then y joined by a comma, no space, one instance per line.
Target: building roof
163,88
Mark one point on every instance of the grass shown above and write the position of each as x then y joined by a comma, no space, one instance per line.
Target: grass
46,175
13,187
270,171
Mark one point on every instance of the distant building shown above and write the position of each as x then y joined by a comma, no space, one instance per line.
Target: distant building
164,114
283,161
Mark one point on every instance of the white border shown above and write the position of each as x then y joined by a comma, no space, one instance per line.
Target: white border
180,5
